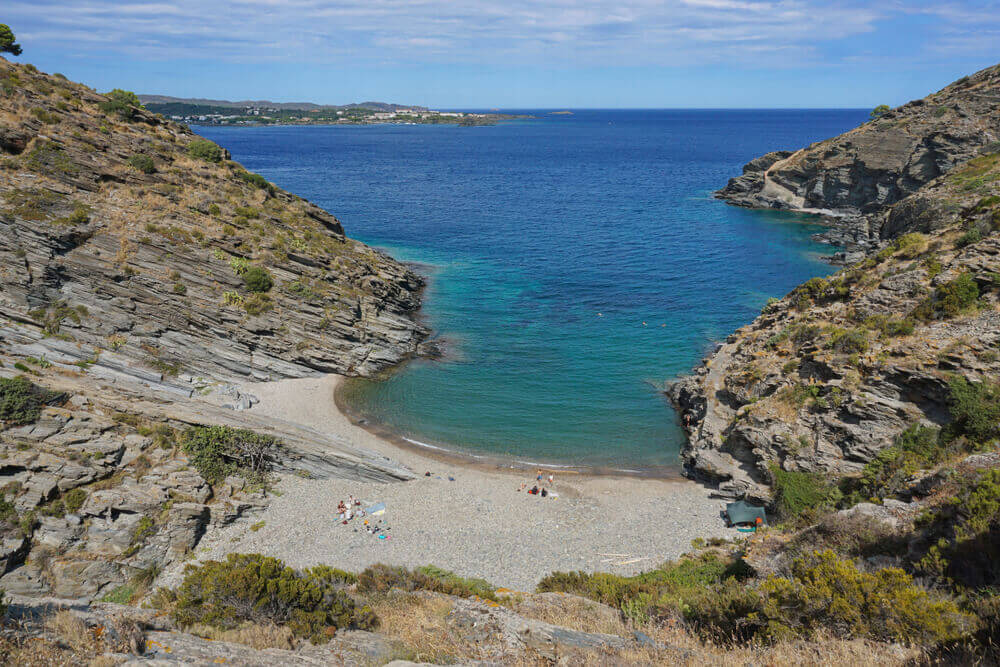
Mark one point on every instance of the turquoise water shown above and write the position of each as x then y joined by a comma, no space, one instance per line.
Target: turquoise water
575,264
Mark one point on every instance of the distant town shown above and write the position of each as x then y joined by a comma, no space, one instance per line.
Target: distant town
222,112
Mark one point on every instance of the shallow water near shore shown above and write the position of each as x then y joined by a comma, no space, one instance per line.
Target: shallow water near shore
576,264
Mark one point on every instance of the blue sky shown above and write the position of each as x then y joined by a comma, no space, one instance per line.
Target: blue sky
515,53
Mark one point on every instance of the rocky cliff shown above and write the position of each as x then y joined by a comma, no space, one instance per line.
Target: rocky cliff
123,232
141,270
827,377
882,161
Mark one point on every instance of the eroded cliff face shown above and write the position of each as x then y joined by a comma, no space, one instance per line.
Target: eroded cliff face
882,161
140,268
115,236
828,376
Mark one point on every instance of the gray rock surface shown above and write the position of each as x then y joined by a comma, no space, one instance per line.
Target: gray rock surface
883,161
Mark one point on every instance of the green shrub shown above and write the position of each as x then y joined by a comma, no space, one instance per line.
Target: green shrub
707,590
214,209
74,499
974,407
962,536
848,341
259,589
21,402
219,451
142,163
916,448
971,236
239,265
120,595
800,494
300,289
203,149
255,180
255,304
124,103
911,245
258,279
380,578
830,595
45,116
80,215
879,111
957,295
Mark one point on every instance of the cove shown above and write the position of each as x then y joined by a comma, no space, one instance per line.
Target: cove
575,263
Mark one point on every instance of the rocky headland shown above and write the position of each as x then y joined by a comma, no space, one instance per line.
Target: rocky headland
856,177
828,376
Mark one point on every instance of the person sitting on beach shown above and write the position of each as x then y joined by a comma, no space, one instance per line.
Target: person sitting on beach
545,492
534,490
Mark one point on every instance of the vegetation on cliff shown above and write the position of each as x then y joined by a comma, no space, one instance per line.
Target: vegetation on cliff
122,231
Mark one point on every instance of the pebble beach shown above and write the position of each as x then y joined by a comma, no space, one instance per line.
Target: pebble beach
463,518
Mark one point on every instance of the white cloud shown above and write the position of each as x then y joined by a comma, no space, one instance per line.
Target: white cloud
592,32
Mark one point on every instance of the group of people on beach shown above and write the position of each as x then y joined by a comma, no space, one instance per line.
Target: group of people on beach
539,487
350,509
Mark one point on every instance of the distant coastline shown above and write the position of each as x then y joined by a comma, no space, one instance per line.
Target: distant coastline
257,113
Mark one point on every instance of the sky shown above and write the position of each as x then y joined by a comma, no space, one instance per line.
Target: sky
516,54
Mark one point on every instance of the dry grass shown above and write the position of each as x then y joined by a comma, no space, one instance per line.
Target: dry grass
420,623
258,636
71,631
682,648
571,611
33,652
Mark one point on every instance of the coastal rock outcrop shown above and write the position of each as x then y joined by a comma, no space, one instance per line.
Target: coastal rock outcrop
882,161
143,275
124,233
830,375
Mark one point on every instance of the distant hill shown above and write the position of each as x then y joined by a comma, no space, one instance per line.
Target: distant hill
284,106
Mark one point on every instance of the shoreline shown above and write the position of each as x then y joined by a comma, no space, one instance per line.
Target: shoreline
488,462
473,518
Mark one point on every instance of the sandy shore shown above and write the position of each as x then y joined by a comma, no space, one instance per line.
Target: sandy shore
477,525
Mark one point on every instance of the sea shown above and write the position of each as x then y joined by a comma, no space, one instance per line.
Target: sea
575,264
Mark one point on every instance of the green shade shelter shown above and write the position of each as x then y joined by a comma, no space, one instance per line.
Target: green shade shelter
742,512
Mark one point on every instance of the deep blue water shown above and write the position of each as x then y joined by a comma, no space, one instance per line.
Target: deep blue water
576,263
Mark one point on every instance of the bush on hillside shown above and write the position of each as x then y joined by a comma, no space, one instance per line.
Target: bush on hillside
848,341
203,149
124,103
799,495
916,448
21,402
826,594
975,409
258,279
963,535
951,299
255,180
708,591
263,590
142,163
219,451
380,578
